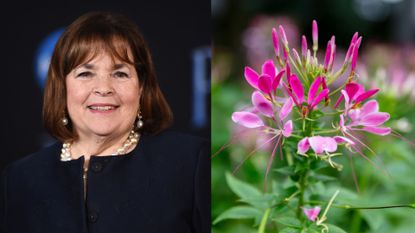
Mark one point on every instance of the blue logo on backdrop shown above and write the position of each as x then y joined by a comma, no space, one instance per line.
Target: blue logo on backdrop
43,55
201,86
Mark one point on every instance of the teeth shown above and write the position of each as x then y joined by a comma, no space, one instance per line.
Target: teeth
101,108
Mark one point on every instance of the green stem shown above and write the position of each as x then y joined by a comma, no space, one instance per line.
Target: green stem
349,207
297,69
336,75
355,223
326,131
264,220
302,184
329,205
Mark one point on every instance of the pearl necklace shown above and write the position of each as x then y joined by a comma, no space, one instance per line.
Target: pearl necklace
132,140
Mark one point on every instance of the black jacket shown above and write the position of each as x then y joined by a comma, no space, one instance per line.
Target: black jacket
163,185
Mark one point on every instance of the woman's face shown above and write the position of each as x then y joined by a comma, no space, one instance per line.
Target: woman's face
103,97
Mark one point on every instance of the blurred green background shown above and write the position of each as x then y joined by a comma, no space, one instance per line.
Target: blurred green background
242,36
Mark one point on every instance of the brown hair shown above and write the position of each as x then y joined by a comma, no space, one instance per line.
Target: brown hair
84,39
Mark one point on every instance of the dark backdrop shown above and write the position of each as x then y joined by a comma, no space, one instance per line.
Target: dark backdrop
178,33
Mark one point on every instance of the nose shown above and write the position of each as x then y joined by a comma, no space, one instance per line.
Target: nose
103,92
103,87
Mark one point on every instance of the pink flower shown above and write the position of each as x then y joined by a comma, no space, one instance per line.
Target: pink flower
319,145
266,108
366,118
354,94
269,79
262,105
312,213
314,96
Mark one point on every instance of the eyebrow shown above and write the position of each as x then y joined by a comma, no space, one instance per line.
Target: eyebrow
91,67
118,66
88,66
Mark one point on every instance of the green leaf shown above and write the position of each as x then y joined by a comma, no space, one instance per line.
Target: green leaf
242,189
289,221
289,230
320,177
301,167
288,170
317,165
335,229
261,202
239,212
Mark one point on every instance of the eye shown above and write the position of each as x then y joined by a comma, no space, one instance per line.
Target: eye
120,74
84,74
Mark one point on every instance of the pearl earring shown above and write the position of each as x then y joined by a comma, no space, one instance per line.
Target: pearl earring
65,121
140,122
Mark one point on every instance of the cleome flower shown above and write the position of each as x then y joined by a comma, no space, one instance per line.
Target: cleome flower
265,108
296,92
268,81
312,213
322,147
354,94
366,118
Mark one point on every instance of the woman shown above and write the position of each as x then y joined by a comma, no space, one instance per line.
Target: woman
115,168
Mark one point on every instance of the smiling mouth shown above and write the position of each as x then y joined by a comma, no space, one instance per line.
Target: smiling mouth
102,108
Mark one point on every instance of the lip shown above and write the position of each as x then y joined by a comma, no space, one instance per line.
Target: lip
102,108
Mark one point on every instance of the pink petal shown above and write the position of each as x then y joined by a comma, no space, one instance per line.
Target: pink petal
352,89
247,119
374,119
303,46
349,53
356,53
327,57
346,98
341,123
275,42
303,146
251,77
369,107
355,114
323,81
265,83
315,35
320,144
296,56
291,94
320,96
262,104
268,68
366,95
283,36
297,88
288,72
330,144
285,54
340,139
288,129
312,213
286,109
313,90
377,130
277,80
354,38
339,100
